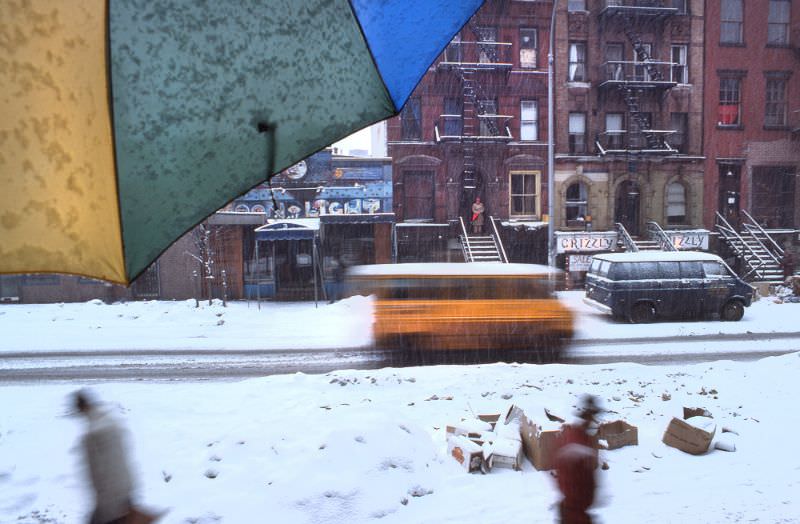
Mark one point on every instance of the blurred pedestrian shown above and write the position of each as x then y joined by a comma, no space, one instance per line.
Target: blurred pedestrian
477,216
104,447
576,462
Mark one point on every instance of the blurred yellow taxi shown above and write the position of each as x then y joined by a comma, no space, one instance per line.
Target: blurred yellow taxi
465,306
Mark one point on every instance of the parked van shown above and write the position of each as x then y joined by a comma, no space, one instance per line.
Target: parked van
649,285
465,306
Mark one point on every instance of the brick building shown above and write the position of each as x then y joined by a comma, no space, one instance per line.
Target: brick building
752,124
474,127
629,147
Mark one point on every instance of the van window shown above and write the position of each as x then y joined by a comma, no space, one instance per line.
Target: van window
595,267
691,269
714,270
647,270
668,270
604,265
621,271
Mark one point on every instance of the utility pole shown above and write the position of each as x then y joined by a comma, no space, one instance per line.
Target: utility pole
551,53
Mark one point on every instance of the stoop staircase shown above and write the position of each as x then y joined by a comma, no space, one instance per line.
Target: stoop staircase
482,248
760,254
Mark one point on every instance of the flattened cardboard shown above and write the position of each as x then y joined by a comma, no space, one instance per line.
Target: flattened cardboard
618,434
539,445
687,437
696,412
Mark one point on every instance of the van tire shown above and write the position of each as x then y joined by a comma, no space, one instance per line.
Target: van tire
732,311
643,313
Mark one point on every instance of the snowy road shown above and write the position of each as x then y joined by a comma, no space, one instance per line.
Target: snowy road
199,365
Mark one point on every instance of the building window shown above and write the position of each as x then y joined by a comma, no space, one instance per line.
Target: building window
525,193
680,5
577,62
452,52
576,5
615,69
577,133
527,47
614,131
487,52
411,120
487,111
778,22
775,110
731,21
643,54
676,203
529,120
453,122
577,201
729,102
680,71
679,122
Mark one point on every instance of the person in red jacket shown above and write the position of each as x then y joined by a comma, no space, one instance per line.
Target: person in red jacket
576,462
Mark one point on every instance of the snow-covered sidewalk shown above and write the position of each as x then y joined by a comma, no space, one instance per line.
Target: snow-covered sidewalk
364,446
164,325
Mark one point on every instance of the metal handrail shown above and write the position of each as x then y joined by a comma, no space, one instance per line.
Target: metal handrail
465,242
729,232
778,248
626,238
655,230
499,242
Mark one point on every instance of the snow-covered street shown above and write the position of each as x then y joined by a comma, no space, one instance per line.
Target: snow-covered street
361,446
364,445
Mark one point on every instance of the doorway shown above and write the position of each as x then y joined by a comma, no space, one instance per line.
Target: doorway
626,207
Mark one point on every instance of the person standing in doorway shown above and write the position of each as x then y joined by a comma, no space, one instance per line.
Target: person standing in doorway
477,216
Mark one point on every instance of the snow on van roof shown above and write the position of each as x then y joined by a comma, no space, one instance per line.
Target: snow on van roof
658,256
452,268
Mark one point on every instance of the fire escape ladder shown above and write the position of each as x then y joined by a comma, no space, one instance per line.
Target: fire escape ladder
484,41
631,94
473,107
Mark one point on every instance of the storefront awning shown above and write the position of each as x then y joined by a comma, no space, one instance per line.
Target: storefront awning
291,229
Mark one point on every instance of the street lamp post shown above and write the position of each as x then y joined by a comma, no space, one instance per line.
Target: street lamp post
551,241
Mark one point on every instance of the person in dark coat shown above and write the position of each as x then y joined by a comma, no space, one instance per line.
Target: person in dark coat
576,462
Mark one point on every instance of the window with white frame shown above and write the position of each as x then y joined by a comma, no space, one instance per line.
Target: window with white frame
529,120
775,110
487,48
778,22
676,203
615,68
731,22
577,201
527,47
679,122
452,53
614,131
730,103
576,69
680,5
524,194
577,133
680,70
640,72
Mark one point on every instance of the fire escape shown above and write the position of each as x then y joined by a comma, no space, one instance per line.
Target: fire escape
476,64
472,63
636,81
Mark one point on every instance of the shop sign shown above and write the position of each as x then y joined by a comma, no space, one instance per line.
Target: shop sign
579,262
689,240
568,242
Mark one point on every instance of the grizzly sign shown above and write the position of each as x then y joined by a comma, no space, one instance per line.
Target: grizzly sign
586,241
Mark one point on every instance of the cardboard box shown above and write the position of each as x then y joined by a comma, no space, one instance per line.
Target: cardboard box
471,428
466,452
504,453
696,412
618,434
692,436
540,445
490,419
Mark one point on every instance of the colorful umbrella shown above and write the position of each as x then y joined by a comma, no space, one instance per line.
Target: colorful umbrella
127,122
